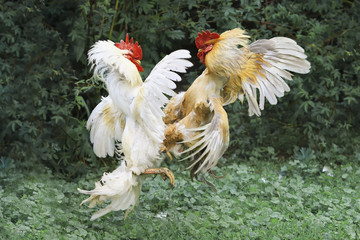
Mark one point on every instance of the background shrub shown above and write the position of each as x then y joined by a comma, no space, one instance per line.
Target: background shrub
275,186
47,93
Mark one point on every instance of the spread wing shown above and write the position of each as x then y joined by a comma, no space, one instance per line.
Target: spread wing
105,58
152,96
263,66
208,142
129,95
107,124
119,74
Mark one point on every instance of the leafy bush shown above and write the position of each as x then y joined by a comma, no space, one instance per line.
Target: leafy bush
41,114
274,188
320,111
46,92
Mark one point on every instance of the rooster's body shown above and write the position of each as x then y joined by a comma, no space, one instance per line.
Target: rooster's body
128,122
196,119
194,122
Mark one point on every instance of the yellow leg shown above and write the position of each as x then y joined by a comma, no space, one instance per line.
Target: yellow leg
164,149
168,153
164,173
128,211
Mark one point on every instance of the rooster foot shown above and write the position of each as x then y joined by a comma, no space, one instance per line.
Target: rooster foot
164,173
164,149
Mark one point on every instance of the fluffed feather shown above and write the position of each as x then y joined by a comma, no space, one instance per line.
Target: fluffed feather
129,121
234,69
121,187
106,125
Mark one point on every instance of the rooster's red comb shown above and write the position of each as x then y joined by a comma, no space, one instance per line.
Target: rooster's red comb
135,48
203,37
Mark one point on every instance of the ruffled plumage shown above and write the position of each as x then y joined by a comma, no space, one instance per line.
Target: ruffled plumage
196,119
129,122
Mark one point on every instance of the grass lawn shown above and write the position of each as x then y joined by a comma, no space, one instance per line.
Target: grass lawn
288,199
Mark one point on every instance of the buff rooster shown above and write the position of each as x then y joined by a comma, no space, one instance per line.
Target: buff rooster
128,123
197,124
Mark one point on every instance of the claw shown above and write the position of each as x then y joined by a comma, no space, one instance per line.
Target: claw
164,149
128,211
164,173
169,154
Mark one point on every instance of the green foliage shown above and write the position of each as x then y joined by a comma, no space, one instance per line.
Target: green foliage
47,94
320,111
41,116
256,200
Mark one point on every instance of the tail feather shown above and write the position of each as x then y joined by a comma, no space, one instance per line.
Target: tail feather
121,187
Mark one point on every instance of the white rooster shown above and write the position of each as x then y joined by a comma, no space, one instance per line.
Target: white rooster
129,122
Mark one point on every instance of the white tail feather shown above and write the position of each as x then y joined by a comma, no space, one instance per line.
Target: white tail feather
121,187
132,115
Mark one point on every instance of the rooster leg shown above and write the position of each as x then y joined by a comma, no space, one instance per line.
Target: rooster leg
164,173
164,149
128,211
169,155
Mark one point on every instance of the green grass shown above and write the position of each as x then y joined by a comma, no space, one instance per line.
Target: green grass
291,199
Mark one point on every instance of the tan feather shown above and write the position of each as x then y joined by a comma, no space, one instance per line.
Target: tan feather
196,119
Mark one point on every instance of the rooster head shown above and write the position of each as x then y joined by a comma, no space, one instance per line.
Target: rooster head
205,42
135,51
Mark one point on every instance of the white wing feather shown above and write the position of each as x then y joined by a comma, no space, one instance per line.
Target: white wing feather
210,141
152,96
106,58
131,114
279,54
106,124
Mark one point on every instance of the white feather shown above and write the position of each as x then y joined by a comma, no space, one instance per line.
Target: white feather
121,187
104,133
210,143
106,58
250,94
279,54
132,115
157,84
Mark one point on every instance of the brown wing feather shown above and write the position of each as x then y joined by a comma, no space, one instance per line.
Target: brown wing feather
260,66
247,71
